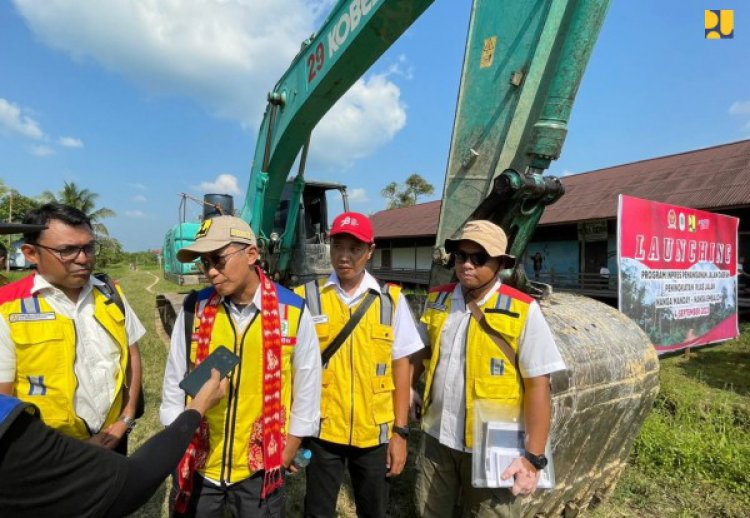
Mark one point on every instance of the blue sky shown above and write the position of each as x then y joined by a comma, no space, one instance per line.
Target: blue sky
142,100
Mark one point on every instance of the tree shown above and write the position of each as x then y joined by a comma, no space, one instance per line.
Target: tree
414,187
21,205
110,253
83,200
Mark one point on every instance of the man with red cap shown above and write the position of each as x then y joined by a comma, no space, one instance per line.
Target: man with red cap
366,335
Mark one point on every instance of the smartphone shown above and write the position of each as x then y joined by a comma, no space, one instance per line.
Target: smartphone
222,359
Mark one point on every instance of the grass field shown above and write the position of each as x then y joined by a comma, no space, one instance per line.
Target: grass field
691,458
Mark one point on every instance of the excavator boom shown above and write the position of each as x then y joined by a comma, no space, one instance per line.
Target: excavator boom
352,38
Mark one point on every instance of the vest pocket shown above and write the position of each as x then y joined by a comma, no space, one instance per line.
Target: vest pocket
381,343
499,387
325,396
323,330
40,349
382,398
504,324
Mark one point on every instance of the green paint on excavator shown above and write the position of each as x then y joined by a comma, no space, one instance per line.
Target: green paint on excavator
523,64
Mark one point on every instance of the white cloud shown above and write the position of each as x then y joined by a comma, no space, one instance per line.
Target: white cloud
139,198
740,108
70,142
138,186
566,172
402,68
358,195
42,151
223,184
135,214
367,117
225,54
13,120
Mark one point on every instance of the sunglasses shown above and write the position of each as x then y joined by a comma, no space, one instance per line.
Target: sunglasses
217,261
476,258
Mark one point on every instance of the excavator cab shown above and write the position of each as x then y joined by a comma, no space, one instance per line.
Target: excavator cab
310,245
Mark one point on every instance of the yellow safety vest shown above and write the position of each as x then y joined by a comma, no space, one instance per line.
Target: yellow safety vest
357,397
237,416
489,374
45,344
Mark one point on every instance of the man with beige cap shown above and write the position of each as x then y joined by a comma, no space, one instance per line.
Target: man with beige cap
487,341
237,457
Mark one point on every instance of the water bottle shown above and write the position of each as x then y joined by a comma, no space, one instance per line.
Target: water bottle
302,458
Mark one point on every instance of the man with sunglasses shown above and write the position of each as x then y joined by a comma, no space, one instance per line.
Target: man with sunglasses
366,335
237,457
487,341
68,339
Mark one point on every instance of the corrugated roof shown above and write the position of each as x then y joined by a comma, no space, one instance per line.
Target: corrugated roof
710,178
414,221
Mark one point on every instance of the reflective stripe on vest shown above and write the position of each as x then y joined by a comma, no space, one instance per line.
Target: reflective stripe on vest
312,298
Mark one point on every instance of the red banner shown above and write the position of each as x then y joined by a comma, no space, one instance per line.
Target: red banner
678,273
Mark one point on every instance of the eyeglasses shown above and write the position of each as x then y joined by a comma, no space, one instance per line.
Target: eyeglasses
69,253
218,261
476,258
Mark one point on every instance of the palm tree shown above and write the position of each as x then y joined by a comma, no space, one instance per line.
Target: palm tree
83,200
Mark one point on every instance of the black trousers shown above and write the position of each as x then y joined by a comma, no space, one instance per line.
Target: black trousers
241,499
326,472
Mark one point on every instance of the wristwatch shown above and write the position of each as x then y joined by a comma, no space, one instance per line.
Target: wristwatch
538,461
129,422
403,432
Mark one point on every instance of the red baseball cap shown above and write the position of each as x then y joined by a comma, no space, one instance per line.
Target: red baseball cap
355,224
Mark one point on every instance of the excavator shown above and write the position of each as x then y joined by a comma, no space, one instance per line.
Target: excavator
523,63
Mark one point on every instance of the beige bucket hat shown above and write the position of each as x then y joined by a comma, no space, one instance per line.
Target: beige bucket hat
487,235
215,234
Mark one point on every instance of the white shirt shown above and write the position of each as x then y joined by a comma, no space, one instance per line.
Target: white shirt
537,355
406,337
97,362
305,411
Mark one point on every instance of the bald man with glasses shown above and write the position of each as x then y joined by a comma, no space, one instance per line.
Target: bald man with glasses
68,339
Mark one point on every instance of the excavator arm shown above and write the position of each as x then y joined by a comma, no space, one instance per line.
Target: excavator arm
352,38
523,63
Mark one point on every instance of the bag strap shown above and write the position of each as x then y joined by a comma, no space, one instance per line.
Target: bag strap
340,338
113,297
493,334
110,290
188,307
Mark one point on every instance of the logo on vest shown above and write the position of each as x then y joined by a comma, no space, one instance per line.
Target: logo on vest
36,386
497,367
30,317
